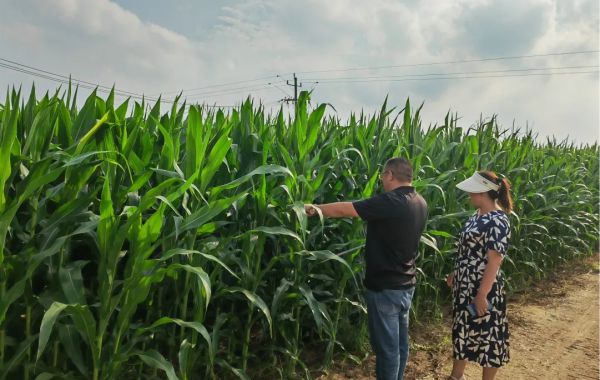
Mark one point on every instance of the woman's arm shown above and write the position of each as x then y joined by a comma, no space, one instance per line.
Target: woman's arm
494,259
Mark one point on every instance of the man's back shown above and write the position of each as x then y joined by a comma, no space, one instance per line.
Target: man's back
396,219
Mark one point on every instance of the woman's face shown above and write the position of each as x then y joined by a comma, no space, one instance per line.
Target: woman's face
475,199
480,200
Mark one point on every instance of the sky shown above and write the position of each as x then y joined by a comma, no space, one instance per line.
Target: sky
351,54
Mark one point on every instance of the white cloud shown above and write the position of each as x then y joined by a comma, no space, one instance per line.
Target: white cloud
101,41
97,40
551,107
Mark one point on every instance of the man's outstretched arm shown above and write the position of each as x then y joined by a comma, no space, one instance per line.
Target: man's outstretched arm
333,210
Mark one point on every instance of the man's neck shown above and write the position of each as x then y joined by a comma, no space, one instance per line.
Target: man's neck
400,184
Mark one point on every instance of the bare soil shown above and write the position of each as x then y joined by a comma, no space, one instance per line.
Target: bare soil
554,335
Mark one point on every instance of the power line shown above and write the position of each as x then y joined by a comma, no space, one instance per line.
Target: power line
41,75
226,90
272,102
462,77
44,74
280,89
388,77
227,84
215,105
62,79
233,91
222,84
82,84
30,70
364,68
412,77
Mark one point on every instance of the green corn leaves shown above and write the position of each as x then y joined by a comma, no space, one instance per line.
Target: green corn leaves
141,244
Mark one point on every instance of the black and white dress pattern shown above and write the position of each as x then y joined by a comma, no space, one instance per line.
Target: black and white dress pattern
485,339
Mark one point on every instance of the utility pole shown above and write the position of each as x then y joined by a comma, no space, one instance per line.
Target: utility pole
296,85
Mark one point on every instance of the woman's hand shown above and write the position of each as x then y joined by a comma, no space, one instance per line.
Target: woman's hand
481,305
450,279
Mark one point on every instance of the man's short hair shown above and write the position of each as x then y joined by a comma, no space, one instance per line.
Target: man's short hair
401,169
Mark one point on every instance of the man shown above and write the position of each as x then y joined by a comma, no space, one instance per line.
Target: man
395,221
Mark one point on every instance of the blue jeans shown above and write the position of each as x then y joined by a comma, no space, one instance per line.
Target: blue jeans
388,330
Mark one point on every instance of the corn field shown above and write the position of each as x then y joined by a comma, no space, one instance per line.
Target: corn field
140,242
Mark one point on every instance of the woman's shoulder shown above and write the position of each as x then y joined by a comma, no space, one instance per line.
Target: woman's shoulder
497,218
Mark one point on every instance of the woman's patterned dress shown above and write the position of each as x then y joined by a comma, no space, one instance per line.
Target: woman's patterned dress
480,339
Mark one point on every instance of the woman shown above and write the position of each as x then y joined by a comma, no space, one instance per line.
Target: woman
477,283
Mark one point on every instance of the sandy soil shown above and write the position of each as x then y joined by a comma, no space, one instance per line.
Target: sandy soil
554,335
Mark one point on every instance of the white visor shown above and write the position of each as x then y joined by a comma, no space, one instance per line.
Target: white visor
477,184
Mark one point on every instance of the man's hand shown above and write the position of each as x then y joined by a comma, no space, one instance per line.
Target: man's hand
450,279
310,210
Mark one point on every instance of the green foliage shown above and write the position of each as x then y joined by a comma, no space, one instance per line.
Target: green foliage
175,244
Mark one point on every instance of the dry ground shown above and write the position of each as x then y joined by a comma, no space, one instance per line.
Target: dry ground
554,335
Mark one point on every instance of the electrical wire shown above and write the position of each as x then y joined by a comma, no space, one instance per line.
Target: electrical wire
364,68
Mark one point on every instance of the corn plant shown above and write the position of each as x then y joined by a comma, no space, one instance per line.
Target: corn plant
137,242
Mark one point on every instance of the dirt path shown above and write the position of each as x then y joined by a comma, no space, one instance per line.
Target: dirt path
554,335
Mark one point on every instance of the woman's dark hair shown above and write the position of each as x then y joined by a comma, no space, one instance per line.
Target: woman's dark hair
503,193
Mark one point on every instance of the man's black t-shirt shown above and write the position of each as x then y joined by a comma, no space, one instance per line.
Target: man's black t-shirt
395,221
